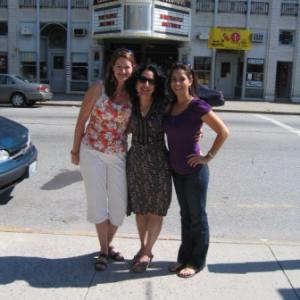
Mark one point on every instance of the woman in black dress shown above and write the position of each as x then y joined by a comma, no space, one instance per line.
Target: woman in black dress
148,173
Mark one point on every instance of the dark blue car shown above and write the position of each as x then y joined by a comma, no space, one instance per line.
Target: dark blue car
18,156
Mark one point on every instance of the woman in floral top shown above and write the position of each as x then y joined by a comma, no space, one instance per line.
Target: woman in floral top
100,150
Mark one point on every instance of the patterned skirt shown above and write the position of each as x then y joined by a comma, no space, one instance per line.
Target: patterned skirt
148,179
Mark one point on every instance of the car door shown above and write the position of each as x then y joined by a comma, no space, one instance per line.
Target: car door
6,87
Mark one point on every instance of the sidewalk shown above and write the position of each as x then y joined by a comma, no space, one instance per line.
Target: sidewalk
57,266
230,105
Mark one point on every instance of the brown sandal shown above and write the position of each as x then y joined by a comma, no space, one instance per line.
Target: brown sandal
117,256
137,257
141,266
101,262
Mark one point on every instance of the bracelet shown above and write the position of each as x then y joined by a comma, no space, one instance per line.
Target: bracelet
74,152
210,155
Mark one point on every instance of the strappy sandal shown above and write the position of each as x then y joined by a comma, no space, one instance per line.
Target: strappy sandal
101,262
141,266
117,256
137,257
176,267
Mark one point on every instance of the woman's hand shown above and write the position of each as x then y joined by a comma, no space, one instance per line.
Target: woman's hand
193,160
75,157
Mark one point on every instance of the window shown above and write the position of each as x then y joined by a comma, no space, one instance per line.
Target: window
255,72
79,72
28,65
286,37
3,63
202,67
3,28
96,66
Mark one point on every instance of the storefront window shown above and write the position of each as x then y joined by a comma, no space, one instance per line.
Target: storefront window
79,72
255,73
96,66
3,63
202,67
28,65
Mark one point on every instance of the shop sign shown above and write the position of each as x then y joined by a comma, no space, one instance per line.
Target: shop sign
171,21
230,38
107,20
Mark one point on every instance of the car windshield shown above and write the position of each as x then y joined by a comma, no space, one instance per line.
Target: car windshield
22,78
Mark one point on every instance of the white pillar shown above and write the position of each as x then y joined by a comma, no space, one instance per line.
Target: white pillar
12,34
272,46
295,90
38,75
68,54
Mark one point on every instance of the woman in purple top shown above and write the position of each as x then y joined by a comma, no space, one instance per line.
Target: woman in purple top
189,167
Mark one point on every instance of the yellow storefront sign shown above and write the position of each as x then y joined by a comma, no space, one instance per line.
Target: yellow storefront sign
230,38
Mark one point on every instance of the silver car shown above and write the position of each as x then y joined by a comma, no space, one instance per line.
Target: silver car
19,91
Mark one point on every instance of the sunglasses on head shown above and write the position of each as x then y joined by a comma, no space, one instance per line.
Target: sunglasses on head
144,79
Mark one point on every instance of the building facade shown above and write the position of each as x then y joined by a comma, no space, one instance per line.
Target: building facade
248,49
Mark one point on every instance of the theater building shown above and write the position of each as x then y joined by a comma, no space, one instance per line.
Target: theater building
248,49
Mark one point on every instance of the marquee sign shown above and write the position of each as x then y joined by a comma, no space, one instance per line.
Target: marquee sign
230,38
107,20
171,21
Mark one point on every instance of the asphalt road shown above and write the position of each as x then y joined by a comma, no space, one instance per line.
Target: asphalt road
254,188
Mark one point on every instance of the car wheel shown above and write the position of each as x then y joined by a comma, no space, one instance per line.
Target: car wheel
30,103
17,100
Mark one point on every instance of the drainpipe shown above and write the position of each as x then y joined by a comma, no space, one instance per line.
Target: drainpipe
68,54
214,50
246,52
38,75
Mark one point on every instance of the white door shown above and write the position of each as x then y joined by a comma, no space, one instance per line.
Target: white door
225,75
58,77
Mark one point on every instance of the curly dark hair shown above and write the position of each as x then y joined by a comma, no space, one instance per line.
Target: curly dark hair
160,95
110,83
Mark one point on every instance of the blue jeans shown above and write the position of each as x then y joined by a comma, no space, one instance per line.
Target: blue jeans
191,192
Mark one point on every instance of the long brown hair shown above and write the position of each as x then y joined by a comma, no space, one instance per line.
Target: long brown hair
110,83
189,73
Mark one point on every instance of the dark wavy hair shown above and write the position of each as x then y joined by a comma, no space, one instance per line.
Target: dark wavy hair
160,95
110,83
189,73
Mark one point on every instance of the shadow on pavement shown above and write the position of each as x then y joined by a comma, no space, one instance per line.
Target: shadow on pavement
288,294
61,180
253,267
77,271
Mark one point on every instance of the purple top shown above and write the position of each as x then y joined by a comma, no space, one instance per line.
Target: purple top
181,131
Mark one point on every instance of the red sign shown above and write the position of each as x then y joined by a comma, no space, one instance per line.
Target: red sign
235,37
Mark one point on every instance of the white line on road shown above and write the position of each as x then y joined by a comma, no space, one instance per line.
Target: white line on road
282,125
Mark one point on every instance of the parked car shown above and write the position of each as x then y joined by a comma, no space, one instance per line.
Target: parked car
211,96
18,156
19,91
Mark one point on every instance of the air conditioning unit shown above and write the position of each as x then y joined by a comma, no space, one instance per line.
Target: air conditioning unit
202,36
258,37
26,31
79,32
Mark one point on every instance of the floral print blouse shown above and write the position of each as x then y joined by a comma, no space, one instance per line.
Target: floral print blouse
106,130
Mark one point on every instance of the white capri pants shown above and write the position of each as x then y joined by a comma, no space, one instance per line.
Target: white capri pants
104,177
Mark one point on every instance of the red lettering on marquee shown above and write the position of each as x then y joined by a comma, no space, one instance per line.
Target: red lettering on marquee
171,18
171,25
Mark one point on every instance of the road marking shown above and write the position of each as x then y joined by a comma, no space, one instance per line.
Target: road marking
282,125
